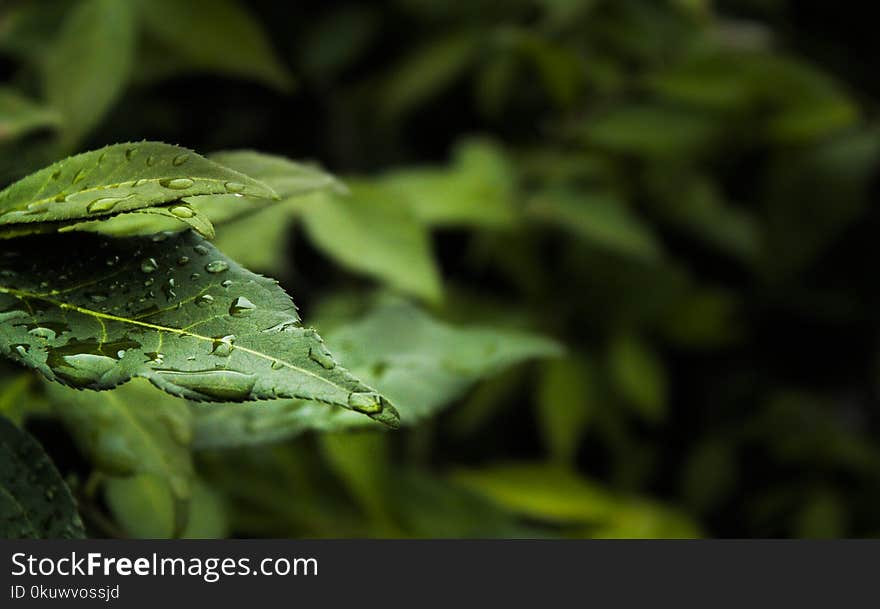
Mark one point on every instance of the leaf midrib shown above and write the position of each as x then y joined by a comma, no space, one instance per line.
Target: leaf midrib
25,295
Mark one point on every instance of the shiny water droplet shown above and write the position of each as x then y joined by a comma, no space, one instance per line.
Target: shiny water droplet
79,176
97,297
112,261
155,358
182,261
151,160
204,300
141,182
149,265
183,211
223,385
365,401
200,250
194,276
281,327
276,365
177,183
226,283
129,153
179,160
60,197
148,282
241,306
223,346
234,187
216,266
102,205
44,333
168,289
321,357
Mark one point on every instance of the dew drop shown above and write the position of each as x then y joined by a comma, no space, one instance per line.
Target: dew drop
151,160
97,297
204,300
148,282
234,187
149,265
216,266
183,211
103,204
222,385
182,261
141,182
223,346
241,306
321,357
194,276
365,401
179,160
177,183
226,283
44,333
277,365
200,250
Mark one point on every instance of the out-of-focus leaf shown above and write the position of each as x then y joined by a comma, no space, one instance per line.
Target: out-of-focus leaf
800,222
600,218
560,69
20,115
823,517
478,190
416,361
651,131
709,474
425,72
565,401
638,376
202,327
143,506
371,232
133,429
26,26
117,179
34,501
337,40
361,461
703,317
556,495
90,63
196,35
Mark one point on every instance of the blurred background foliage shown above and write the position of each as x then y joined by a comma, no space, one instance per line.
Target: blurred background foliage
610,257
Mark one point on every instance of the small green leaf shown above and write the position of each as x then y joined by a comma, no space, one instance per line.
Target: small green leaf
565,402
371,232
196,35
89,63
147,221
19,115
419,363
172,310
600,218
117,179
639,377
34,501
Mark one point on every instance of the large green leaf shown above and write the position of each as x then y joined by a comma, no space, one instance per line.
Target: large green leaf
34,501
19,115
117,179
419,363
93,313
196,35
130,430
89,63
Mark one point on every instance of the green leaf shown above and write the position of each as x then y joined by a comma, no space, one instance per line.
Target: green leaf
172,310
600,218
117,179
477,190
148,221
373,233
89,63
425,72
551,494
19,115
419,363
565,402
130,430
196,35
34,501
145,509
638,375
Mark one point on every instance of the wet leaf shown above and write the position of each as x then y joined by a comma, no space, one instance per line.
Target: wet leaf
89,63
34,501
114,180
172,310
421,364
